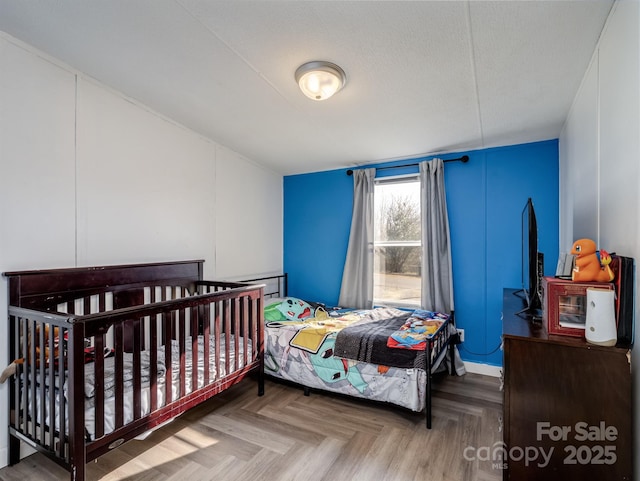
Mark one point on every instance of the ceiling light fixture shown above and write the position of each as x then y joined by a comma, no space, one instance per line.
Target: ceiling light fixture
319,80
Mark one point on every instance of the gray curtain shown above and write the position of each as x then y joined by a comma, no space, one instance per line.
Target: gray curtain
437,278
357,278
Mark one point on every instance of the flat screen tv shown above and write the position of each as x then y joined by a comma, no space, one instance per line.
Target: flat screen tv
532,263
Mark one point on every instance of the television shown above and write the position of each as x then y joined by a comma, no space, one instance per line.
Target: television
532,264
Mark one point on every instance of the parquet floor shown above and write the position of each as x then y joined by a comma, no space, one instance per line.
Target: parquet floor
285,435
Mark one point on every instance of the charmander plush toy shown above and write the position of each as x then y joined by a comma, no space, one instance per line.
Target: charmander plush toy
590,266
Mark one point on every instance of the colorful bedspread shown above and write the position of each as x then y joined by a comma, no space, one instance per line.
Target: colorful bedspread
307,345
387,336
415,332
323,370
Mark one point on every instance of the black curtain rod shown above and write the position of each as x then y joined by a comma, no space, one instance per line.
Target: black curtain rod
464,159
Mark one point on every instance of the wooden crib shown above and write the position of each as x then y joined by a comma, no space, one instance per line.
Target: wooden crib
106,354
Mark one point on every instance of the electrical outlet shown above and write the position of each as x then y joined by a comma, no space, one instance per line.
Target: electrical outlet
461,334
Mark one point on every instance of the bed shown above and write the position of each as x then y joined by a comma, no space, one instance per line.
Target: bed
106,354
348,351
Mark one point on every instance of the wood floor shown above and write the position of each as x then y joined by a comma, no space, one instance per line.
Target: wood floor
285,435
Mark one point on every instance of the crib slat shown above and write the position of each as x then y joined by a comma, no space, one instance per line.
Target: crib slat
99,386
43,343
118,366
182,344
168,361
255,333
217,335
54,356
246,334
195,333
227,335
153,358
258,338
137,367
25,332
63,358
256,328
236,331
31,379
206,331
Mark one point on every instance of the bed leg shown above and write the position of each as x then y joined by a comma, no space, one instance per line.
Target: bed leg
14,450
261,384
452,358
77,472
428,395
307,391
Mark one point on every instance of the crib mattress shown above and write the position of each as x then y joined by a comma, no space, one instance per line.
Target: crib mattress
145,398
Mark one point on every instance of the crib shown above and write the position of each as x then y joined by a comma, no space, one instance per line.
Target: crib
106,354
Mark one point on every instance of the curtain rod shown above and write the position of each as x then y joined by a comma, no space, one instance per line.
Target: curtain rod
464,159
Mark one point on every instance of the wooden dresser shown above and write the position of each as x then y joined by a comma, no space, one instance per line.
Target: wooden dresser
567,404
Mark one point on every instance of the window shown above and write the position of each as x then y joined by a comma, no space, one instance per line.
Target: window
397,242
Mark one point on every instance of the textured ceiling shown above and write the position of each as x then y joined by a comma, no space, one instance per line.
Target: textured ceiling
422,77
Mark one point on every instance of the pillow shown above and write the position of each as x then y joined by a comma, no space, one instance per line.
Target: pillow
288,309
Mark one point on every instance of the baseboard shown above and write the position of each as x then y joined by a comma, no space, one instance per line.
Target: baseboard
485,369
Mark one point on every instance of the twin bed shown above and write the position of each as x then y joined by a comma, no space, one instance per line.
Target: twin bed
103,355
349,351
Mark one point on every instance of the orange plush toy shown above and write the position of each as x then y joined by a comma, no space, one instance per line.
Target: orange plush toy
11,369
589,267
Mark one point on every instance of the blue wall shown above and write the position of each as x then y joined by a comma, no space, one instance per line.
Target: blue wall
485,198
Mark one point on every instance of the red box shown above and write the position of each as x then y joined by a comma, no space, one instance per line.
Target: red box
565,305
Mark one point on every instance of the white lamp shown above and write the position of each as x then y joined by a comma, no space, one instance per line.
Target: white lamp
319,80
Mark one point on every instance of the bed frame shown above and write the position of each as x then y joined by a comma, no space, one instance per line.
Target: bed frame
438,346
128,310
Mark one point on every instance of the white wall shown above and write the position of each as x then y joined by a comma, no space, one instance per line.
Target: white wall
579,165
145,188
601,141
37,175
90,177
253,216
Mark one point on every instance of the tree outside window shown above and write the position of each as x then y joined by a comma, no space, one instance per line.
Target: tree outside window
397,244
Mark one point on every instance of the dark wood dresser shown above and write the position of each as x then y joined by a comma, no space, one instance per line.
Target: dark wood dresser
567,404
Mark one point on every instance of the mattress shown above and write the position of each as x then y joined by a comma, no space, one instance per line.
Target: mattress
307,358
128,410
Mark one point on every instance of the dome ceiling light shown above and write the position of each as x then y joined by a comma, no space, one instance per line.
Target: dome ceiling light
319,80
